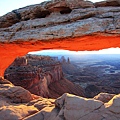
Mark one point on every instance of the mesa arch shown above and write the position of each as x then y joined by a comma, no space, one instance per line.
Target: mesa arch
9,51
59,24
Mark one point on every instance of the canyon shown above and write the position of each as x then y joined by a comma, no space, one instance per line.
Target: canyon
95,73
41,75
57,24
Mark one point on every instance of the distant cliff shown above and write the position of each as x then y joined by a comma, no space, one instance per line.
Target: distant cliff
41,75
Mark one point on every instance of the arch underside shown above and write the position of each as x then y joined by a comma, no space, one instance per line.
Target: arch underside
9,51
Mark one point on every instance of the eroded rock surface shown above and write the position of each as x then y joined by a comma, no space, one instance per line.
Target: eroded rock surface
104,97
59,19
17,103
41,75
71,107
68,106
15,93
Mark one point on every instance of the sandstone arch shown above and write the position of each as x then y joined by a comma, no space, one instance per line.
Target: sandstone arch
9,51
82,25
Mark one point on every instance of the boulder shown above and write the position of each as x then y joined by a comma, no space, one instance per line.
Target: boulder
17,103
74,107
16,94
71,107
113,105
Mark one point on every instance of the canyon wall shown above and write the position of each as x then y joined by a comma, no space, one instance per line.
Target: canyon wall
41,75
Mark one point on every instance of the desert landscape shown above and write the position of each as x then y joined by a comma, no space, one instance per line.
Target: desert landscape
95,73
90,74
42,87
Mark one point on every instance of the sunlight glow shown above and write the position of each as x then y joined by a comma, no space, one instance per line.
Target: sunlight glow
66,52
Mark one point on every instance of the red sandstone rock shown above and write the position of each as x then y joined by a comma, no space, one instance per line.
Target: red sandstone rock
41,76
8,52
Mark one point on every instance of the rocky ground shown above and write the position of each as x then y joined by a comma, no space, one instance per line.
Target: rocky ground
16,103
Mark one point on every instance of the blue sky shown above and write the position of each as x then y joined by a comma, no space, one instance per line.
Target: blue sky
9,5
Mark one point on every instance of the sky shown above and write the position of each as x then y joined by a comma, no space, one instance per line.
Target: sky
67,52
9,5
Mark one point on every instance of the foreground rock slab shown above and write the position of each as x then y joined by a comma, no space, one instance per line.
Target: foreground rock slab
71,107
66,107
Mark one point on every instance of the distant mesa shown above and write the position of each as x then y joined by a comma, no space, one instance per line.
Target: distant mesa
64,60
41,75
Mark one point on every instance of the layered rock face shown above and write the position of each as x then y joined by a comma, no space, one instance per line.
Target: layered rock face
59,19
41,75
52,20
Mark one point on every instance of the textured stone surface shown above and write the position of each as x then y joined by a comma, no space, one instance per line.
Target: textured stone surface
16,93
108,111
17,103
104,97
41,75
107,3
66,107
71,107
59,19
